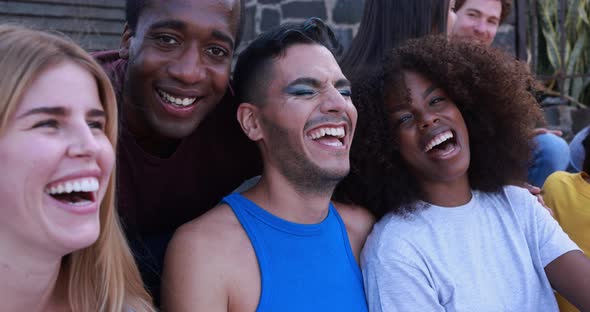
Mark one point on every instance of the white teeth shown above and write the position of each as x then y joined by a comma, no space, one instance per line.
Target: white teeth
438,140
178,101
321,132
79,185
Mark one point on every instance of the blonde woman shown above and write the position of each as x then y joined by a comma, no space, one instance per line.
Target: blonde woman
61,246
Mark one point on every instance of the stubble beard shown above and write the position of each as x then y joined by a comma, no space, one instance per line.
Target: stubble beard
305,176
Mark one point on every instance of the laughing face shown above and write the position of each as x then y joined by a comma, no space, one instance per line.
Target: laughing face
308,119
179,62
431,134
56,162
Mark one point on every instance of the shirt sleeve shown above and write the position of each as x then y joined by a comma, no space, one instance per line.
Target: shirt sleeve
398,286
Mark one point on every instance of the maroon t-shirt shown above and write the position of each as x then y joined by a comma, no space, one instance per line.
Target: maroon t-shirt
157,195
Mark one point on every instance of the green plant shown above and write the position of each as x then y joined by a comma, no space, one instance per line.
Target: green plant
568,66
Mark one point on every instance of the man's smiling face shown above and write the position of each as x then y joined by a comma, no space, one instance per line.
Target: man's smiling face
179,64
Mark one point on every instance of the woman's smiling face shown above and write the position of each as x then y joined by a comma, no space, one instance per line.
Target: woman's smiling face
56,162
430,132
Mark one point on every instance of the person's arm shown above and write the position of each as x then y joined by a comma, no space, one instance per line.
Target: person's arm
359,222
566,267
192,279
569,275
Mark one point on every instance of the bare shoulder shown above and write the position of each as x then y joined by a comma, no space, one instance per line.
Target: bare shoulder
201,260
358,221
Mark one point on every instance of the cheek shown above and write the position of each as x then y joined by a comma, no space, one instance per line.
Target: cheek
220,77
106,157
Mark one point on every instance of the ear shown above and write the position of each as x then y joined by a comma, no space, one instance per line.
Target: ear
125,42
249,118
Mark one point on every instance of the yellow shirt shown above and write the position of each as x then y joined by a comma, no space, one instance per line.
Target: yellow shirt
568,194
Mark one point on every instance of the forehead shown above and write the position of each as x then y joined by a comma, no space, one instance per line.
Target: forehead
214,14
488,7
53,86
307,60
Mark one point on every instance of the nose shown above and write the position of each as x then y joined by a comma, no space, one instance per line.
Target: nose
334,102
189,68
427,120
83,142
480,27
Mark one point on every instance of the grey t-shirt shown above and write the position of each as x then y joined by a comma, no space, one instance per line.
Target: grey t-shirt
488,255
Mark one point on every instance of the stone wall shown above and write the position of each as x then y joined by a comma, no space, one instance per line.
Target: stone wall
343,15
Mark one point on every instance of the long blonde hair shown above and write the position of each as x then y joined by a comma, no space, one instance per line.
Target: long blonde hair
103,276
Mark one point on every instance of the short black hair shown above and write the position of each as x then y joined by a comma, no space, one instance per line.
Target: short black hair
133,9
586,145
252,68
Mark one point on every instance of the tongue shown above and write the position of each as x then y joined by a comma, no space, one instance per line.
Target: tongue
329,140
72,198
442,149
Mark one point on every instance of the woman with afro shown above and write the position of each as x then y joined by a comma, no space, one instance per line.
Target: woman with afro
443,132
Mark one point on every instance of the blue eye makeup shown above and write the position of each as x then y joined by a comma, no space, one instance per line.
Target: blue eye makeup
299,90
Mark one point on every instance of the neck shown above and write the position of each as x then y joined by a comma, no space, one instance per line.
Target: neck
447,194
277,195
28,280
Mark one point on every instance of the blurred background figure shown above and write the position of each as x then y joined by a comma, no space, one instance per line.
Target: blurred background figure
568,194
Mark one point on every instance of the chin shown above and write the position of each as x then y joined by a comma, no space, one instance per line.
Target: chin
77,238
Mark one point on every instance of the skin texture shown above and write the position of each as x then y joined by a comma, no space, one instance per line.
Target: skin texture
184,48
228,279
53,136
478,20
442,178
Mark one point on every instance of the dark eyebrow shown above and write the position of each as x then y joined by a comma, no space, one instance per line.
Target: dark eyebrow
428,91
305,81
181,26
342,83
174,24
474,10
59,111
96,113
220,35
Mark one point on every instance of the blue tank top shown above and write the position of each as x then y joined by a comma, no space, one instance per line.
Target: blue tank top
303,267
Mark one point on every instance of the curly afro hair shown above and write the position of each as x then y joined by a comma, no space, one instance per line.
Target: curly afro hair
490,88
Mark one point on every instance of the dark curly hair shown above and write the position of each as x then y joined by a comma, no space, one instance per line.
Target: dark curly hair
490,88
506,8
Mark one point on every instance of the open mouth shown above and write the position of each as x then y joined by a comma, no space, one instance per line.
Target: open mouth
441,143
74,192
177,101
331,136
